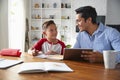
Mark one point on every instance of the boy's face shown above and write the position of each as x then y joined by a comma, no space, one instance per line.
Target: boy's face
51,32
81,23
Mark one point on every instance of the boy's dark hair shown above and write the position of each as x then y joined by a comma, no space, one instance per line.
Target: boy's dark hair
46,24
87,12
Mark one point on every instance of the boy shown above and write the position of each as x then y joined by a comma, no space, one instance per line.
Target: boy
49,45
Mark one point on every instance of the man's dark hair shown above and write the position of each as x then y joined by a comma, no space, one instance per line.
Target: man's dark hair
87,12
47,23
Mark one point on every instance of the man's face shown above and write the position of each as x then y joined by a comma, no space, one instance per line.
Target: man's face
81,23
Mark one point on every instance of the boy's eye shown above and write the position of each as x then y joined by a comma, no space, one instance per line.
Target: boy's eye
51,30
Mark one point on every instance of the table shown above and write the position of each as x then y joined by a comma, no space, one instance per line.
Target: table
82,71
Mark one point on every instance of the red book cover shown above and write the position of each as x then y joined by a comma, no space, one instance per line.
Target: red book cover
10,52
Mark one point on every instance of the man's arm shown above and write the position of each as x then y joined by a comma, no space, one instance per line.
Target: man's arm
77,43
114,37
115,42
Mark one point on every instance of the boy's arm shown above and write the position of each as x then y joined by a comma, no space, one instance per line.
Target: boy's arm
36,48
33,52
63,46
30,51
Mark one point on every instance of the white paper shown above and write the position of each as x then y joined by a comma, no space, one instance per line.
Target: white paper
2,59
41,56
7,63
55,57
52,57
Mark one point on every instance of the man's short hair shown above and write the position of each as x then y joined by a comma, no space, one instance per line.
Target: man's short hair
87,12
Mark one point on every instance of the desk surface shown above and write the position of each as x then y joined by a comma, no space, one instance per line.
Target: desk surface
82,71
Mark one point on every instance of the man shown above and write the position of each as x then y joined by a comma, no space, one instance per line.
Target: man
94,36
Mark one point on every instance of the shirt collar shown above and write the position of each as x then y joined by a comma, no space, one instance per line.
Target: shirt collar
100,28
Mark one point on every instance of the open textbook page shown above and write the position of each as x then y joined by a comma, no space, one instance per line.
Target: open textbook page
33,67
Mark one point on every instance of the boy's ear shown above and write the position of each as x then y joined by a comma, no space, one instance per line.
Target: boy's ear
44,32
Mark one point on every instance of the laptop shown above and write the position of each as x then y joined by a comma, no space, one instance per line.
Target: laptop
73,53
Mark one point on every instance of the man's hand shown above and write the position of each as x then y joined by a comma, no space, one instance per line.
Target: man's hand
92,56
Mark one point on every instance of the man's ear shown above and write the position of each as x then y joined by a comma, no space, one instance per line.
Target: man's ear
89,20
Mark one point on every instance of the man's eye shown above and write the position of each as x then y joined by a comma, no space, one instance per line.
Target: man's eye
78,20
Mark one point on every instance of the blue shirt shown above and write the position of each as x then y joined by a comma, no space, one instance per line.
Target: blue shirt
104,38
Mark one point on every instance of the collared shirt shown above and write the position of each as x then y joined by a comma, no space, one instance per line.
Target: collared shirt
104,38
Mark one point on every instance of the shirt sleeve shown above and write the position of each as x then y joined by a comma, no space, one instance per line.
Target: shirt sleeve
38,45
77,43
115,42
63,46
114,38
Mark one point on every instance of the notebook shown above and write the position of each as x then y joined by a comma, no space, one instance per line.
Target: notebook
5,63
33,67
73,53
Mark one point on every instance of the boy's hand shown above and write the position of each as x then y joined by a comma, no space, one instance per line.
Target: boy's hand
35,52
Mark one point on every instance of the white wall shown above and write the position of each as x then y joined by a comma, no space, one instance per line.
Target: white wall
16,24
113,12
26,5
100,5
27,8
3,24
4,42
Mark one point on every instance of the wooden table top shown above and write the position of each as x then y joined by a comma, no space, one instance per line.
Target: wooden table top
82,71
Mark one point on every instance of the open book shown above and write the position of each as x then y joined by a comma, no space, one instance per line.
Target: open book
52,57
5,63
32,67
